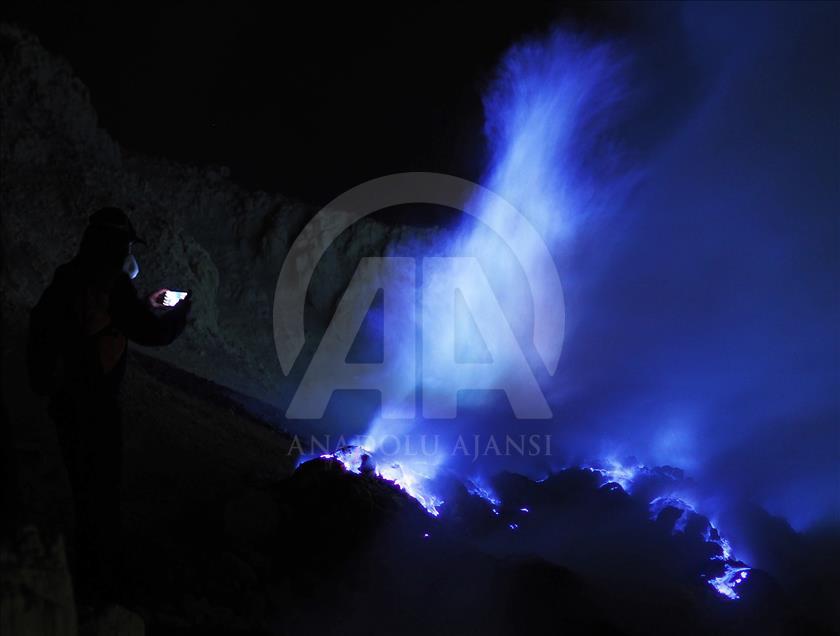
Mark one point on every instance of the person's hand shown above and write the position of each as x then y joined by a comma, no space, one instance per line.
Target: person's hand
167,299
156,298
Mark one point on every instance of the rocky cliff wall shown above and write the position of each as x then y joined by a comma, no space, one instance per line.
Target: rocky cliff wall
205,233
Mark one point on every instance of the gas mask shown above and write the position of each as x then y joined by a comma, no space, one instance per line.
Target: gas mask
130,266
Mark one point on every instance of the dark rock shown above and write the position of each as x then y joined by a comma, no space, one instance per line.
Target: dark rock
36,592
251,518
114,620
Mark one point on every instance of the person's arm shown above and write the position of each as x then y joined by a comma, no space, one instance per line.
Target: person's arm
136,319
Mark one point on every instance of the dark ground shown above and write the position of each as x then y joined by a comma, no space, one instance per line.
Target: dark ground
222,537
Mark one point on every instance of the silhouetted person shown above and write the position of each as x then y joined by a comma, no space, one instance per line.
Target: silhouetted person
77,354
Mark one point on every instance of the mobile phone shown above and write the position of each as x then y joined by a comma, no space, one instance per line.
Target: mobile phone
172,297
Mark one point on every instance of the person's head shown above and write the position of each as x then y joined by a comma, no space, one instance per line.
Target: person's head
106,244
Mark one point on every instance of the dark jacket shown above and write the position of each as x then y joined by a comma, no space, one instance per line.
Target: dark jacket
77,335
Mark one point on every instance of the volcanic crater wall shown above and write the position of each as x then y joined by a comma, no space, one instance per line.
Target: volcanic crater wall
205,233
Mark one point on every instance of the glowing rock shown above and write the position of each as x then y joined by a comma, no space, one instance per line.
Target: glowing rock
360,461
729,580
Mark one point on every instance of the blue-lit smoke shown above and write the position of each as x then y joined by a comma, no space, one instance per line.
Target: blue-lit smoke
548,118
548,114
700,286
706,337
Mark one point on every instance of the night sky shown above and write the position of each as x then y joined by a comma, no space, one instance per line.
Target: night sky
306,100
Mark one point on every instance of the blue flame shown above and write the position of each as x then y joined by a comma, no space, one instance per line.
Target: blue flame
729,580
615,471
415,478
478,487
735,572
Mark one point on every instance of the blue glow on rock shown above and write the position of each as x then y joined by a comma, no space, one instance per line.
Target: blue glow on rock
614,471
735,572
729,580
412,477
476,486
659,503
418,485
